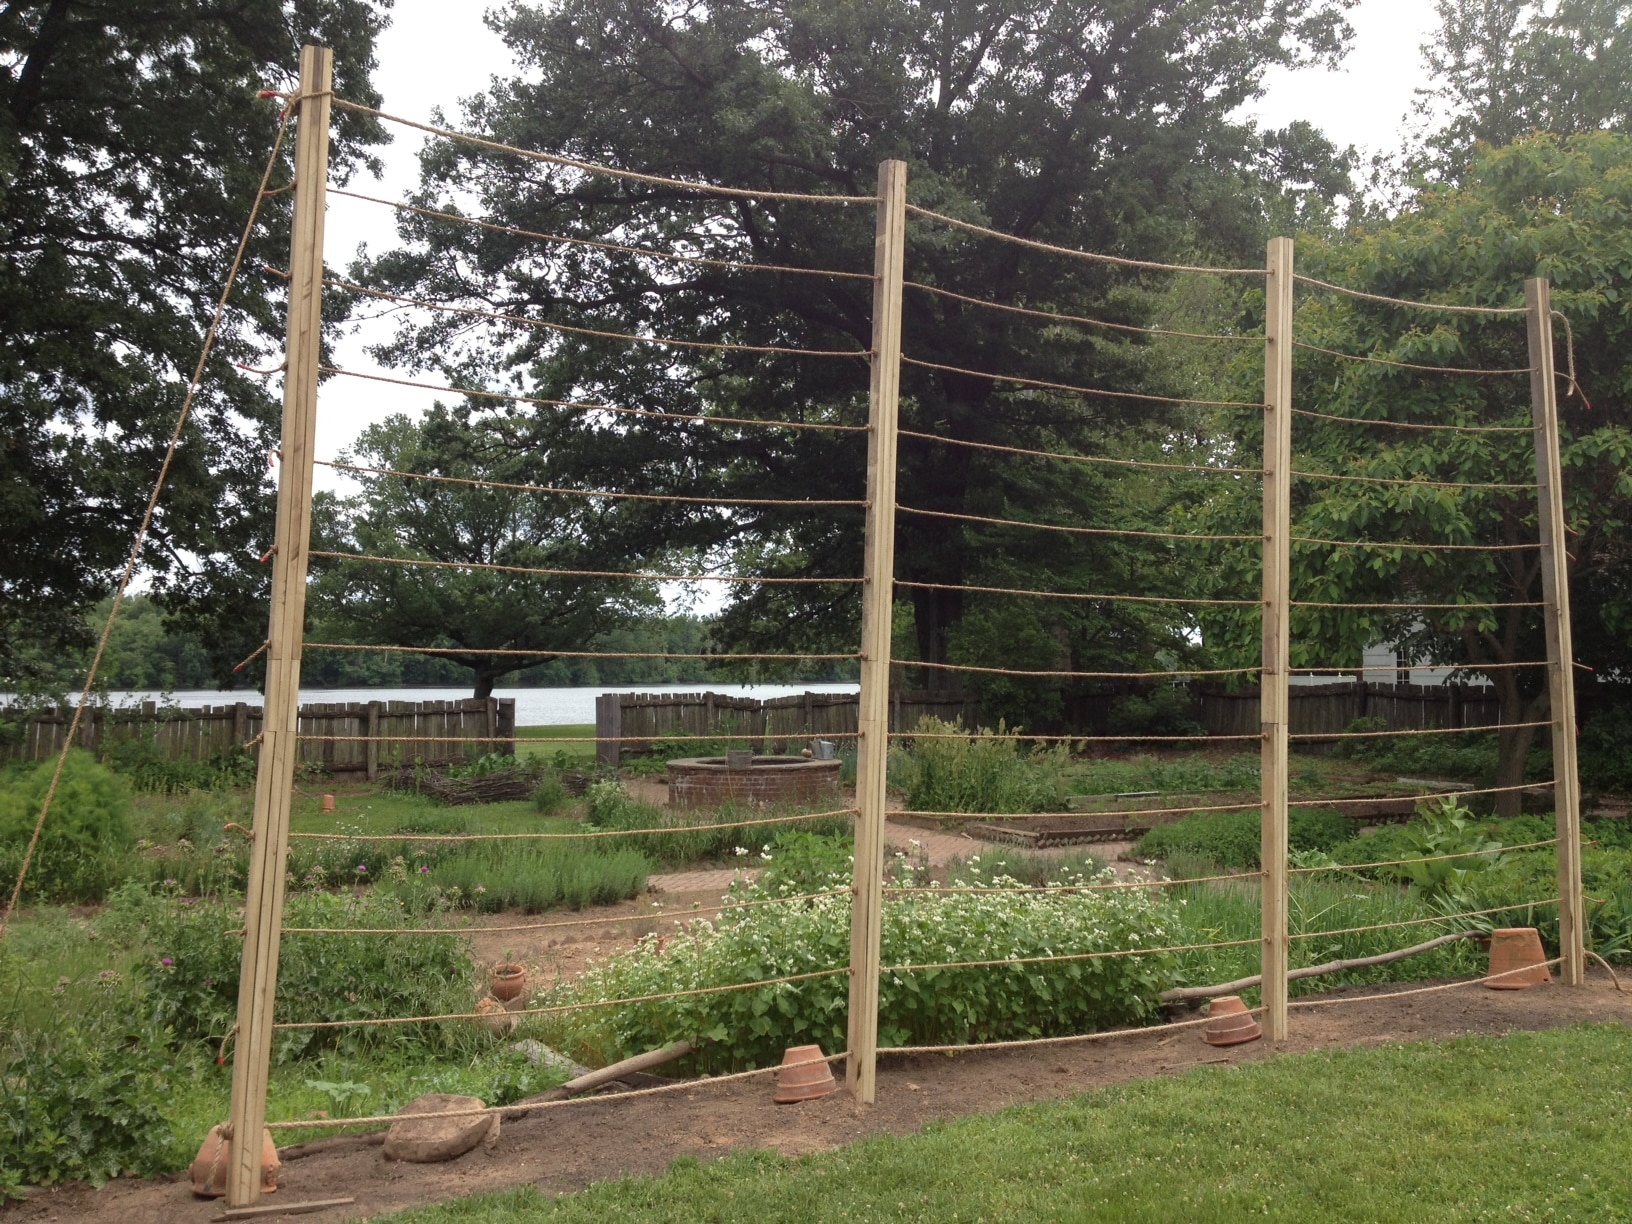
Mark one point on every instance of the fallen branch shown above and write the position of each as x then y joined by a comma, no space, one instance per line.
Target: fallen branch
296,1151
594,1079
1184,994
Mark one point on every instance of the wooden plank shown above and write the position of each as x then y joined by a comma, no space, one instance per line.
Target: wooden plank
1274,701
873,709
263,903
1555,588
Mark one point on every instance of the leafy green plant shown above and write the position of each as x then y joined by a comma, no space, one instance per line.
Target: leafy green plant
1444,828
86,833
1164,710
752,1027
551,795
952,771
609,807
1231,840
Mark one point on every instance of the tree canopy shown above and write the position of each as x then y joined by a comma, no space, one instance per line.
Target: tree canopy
1084,124
131,148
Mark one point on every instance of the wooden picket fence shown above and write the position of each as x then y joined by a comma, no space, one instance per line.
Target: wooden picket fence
388,733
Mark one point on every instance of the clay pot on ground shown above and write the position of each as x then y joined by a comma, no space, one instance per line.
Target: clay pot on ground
1229,1023
494,1017
209,1168
804,1075
328,803
1516,954
507,981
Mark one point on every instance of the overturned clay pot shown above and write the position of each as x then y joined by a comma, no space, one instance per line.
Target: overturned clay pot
1230,1023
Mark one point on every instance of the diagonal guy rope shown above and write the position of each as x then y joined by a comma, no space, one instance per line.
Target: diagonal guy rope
147,518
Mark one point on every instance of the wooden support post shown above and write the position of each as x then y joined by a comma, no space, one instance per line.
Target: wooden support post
1555,593
1273,695
274,778
371,749
877,617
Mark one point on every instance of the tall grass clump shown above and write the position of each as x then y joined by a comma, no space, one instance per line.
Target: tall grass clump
610,808
492,876
82,848
964,773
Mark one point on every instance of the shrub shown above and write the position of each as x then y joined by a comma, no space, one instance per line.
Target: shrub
146,768
191,977
81,1098
1231,840
82,847
1606,750
1165,710
798,861
961,774
551,795
752,1027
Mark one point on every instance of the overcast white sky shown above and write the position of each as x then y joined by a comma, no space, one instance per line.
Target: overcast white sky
436,53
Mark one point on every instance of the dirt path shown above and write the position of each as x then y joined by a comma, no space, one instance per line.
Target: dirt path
566,1149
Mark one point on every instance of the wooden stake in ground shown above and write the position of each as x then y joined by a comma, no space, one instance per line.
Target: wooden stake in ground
1274,699
877,616
1555,593
274,778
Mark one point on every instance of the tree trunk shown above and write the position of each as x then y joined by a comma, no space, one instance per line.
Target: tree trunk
1513,744
484,683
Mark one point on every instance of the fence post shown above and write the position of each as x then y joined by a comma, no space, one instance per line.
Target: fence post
1555,589
877,616
1273,694
263,901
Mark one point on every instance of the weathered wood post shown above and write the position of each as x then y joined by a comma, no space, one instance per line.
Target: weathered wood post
274,780
1555,593
1273,692
877,614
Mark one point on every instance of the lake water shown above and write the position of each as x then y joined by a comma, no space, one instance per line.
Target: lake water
535,707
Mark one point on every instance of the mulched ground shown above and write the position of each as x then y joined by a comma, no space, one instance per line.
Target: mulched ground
565,1149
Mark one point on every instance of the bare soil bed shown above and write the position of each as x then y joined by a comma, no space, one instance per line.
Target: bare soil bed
567,1148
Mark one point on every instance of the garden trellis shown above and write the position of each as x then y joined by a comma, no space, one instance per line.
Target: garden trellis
302,369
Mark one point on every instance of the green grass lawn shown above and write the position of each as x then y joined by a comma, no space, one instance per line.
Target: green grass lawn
547,742
1531,1126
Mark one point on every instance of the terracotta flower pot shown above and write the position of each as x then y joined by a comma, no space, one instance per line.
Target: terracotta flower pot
495,1018
507,981
804,1075
1516,954
1230,1023
328,803
209,1168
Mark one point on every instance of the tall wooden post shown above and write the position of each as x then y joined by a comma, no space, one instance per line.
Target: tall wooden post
877,618
274,779
1274,698
1555,593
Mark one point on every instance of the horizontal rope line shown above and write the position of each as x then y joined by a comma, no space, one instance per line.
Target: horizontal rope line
1409,922
1103,1035
672,256
1119,260
561,573
1073,388
587,834
1432,547
1316,671
576,922
1432,858
1394,301
1065,956
589,406
1089,531
568,329
374,1022
656,737
524,1108
1419,990
990,590
1411,480
1406,365
1101,460
567,654
1076,888
1456,794
573,163
1079,675
1348,420
1176,811
1313,735
1437,607
532,488
1077,739
1069,318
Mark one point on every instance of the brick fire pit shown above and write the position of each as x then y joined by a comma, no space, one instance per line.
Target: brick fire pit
696,782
